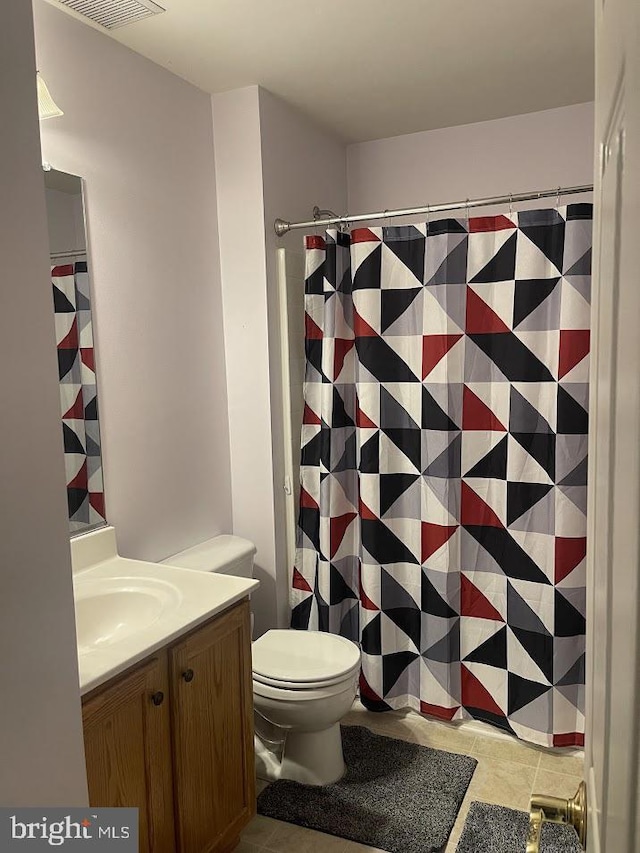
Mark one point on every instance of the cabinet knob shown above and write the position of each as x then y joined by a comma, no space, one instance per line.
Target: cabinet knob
158,698
187,675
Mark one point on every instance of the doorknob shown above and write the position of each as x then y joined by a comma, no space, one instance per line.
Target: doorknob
557,810
187,675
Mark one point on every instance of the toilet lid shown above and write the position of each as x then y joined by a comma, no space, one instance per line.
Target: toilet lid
303,657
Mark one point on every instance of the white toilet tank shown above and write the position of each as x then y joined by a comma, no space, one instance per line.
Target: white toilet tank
229,555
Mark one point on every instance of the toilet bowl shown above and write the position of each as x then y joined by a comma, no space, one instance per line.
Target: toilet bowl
304,682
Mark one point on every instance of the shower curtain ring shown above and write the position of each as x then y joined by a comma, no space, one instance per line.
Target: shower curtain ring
558,198
466,204
510,205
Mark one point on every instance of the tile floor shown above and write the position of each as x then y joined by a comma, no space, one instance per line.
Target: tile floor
508,772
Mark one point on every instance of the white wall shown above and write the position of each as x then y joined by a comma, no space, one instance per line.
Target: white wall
509,155
302,165
142,138
243,266
41,749
270,161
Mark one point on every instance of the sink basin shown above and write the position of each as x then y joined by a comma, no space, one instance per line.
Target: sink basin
128,609
111,609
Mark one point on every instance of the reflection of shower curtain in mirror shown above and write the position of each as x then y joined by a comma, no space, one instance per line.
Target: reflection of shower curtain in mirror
443,472
76,369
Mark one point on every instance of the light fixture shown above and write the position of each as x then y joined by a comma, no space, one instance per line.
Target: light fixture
47,107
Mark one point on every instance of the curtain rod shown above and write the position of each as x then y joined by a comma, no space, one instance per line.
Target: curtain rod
73,254
281,226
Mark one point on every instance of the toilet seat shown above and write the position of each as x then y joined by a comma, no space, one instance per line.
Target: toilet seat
300,686
303,660
283,693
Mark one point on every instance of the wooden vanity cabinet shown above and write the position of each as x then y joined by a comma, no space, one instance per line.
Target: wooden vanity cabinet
212,720
174,737
127,742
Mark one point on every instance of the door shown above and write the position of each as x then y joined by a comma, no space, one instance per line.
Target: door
212,708
127,745
613,659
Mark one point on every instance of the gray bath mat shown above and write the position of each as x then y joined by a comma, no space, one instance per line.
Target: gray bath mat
496,829
395,795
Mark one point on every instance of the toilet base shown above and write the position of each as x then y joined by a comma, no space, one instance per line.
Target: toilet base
312,758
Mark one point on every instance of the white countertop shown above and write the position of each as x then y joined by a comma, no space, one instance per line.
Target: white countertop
191,598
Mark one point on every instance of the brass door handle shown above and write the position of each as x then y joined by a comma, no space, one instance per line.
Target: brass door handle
557,810
536,819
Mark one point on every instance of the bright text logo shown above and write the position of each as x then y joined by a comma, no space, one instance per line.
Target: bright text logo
42,829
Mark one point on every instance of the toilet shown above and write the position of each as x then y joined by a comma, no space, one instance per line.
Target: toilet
304,682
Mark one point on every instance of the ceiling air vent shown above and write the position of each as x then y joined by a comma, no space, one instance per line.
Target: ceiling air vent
114,13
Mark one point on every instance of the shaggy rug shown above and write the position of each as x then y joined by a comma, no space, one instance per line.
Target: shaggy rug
396,796
496,829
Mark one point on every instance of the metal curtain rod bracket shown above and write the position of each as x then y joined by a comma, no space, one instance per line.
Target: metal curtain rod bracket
282,227
318,213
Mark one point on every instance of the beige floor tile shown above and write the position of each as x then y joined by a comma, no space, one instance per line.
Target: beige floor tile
408,725
260,830
354,847
397,728
456,832
361,718
441,735
359,715
462,814
555,784
570,765
357,709
289,838
505,783
390,724
458,826
506,750
507,773
452,843
246,847
353,719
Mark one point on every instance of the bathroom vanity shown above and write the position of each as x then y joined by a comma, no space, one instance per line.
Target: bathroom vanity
164,658
173,736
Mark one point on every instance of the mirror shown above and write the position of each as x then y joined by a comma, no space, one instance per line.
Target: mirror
71,286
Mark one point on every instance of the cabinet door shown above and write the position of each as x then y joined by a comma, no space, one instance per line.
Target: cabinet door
127,744
212,709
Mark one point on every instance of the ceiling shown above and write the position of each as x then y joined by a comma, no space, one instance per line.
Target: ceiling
368,69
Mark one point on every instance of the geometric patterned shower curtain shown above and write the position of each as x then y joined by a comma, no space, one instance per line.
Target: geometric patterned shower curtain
78,396
444,456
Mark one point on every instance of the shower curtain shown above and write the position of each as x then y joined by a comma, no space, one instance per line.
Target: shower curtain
442,514
78,399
